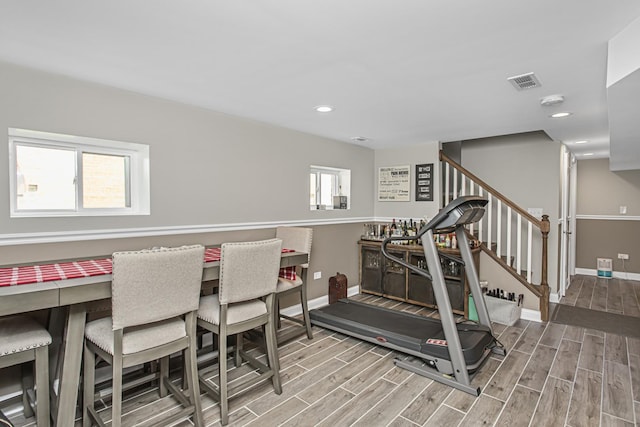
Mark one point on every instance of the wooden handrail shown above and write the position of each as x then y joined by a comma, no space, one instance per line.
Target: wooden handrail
541,291
493,191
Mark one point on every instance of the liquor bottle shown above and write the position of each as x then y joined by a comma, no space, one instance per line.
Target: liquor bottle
454,242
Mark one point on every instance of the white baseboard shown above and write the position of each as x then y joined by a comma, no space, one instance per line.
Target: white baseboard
554,298
296,309
616,274
533,315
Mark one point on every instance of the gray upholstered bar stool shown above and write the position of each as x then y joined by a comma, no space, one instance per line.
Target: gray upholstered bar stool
245,300
298,239
23,340
155,295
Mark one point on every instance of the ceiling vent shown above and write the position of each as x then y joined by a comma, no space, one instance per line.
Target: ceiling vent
525,81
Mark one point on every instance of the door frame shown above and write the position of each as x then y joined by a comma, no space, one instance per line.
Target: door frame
567,223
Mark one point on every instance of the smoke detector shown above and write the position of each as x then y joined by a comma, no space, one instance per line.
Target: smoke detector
359,139
551,100
525,81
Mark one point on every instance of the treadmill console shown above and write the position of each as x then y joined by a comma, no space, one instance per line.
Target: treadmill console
461,211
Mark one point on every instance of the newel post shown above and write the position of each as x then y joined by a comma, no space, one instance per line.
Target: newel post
544,284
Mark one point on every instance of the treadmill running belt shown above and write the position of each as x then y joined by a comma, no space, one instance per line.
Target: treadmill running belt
402,329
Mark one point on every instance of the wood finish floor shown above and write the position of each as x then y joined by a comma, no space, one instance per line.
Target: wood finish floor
553,375
611,295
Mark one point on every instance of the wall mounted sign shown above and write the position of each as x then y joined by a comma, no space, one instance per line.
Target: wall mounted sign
394,184
424,182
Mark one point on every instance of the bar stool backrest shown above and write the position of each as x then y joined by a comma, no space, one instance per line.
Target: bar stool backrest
155,284
296,238
249,270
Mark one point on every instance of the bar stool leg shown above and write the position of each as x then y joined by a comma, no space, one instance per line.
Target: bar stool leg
43,415
26,385
89,381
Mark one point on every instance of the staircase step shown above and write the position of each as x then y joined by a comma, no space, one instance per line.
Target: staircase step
508,262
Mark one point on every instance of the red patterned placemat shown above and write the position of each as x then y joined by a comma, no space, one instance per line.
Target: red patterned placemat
71,270
48,272
212,254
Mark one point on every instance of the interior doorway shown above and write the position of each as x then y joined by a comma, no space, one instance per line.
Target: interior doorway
567,223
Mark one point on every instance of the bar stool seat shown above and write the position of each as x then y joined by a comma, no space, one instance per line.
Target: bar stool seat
155,295
245,300
23,340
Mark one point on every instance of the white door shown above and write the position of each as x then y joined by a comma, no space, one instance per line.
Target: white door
567,221
573,193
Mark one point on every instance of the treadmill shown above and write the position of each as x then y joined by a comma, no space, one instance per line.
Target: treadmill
442,349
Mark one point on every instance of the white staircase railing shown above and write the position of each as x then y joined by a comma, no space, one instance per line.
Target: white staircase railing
509,234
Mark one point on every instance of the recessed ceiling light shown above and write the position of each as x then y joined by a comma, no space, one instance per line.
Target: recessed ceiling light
584,141
324,108
588,154
560,115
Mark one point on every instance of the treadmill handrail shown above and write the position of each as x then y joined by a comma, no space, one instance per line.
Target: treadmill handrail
400,261
451,258
410,266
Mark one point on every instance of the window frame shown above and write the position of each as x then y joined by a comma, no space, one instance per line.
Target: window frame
339,175
137,173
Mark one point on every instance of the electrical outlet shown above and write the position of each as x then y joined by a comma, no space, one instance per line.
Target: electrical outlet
317,275
623,256
623,210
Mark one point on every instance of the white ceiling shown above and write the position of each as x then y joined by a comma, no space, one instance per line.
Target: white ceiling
398,72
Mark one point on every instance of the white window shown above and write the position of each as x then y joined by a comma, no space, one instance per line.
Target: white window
329,188
63,175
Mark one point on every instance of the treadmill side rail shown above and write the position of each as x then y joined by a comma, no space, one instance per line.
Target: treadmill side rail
422,368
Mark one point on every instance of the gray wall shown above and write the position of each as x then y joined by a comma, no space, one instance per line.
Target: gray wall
526,169
412,156
602,192
209,171
206,167
601,231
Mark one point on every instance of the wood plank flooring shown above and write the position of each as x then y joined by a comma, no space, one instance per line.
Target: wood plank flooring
553,375
611,295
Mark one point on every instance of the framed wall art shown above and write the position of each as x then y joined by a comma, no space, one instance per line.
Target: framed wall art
394,184
424,182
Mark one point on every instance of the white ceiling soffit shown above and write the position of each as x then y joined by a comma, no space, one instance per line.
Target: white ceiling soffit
623,94
400,73
624,111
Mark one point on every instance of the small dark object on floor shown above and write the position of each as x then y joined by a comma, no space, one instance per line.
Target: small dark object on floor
337,287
